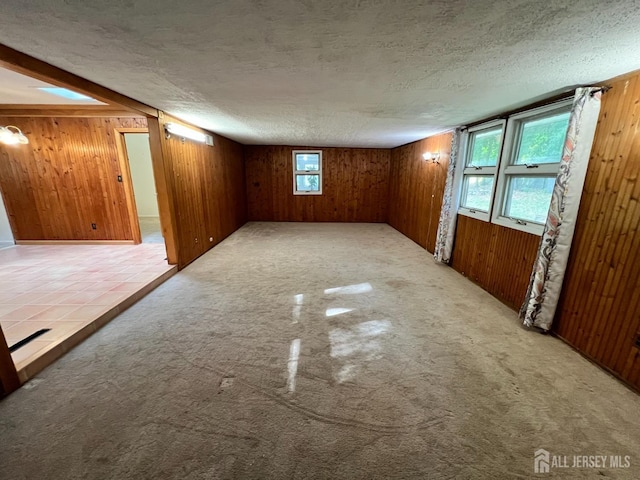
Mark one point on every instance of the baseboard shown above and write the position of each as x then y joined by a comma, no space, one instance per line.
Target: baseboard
75,242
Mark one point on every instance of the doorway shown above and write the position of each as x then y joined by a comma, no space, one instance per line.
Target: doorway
138,153
6,235
136,172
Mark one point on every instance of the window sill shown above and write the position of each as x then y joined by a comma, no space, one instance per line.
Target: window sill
529,227
307,193
484,216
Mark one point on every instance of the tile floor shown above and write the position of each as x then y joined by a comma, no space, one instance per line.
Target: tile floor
67,288
151,230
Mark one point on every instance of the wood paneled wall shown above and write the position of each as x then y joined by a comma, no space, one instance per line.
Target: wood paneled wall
65,179
599,313
497,258
207,198
416,188
355,185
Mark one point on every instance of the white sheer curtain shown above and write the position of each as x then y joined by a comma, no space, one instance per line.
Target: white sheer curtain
545,285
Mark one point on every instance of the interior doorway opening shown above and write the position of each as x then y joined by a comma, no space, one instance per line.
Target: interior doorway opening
144,189
6,235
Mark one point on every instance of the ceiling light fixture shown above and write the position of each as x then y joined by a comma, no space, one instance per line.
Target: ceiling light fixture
66,93
11,135
185,132
433,157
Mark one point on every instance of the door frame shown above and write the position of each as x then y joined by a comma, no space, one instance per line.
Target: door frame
127,182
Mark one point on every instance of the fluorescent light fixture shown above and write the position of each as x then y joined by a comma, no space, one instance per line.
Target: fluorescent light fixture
66,93
186,132
11,135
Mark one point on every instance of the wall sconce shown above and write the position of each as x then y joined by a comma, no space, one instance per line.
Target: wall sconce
434,157
11,135
185,132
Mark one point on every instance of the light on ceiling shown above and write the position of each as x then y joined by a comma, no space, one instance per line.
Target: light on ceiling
186,132
11,135
66,93
433,157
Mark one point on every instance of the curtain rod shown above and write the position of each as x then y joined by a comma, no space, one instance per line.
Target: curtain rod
556,98
604,89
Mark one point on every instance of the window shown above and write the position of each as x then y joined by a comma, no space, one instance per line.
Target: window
480,169
530,163
511,166
307,172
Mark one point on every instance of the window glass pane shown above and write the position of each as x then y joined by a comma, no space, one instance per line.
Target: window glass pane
307,183
542,139
476,192
307,161
528,198
485,147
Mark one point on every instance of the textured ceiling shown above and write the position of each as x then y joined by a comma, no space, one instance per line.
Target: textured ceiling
377,73
22,90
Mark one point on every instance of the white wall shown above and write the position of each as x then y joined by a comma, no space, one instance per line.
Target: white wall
144,187
6,237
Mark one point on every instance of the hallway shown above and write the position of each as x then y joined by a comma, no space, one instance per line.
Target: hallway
298,350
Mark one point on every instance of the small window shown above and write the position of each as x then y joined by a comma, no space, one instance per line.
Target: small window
484,144
534,144
307,172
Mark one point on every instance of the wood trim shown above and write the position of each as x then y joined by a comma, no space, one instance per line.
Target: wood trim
132,130
75,242
125,171
9,380
165,189
28,65
82,111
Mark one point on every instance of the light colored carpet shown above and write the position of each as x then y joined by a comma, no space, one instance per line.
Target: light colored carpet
254,362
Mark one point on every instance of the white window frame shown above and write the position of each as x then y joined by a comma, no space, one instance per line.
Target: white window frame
508,169
485,171
307,172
